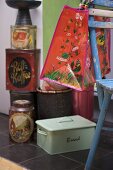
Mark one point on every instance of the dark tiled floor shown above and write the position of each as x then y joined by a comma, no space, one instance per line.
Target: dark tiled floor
33,157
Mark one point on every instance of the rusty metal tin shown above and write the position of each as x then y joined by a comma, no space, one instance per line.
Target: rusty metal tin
23,37
21,123
22,69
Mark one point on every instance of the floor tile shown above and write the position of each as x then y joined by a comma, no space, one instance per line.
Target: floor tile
30,155
105,163
51,162
21,152
106,141
81,156
82,168
5,141
4,127
5,116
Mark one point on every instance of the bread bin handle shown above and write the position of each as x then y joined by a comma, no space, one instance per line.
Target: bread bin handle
66,120
41,132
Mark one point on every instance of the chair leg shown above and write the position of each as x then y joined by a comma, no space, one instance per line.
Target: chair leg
100,93
105,104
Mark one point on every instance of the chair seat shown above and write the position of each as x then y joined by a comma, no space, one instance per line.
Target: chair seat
106,84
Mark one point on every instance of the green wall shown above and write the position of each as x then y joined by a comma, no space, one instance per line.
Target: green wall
51,13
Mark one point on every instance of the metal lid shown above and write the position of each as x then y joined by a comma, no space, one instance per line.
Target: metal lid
21,27
22,104
53,91
65,123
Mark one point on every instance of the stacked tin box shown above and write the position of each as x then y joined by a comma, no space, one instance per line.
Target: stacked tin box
22,69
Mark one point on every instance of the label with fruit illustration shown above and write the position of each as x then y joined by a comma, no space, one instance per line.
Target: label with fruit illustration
23,37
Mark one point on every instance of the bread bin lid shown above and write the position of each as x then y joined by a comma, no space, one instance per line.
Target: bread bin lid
65,123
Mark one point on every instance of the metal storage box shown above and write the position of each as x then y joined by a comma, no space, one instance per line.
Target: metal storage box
64,134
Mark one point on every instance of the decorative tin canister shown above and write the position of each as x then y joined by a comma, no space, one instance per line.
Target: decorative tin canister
21,122
52,104
25,95
22,69
23,37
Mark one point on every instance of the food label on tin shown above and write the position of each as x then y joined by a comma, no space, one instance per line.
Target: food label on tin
21,127
20,72
23,38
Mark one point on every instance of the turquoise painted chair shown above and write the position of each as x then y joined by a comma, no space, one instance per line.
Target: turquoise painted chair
104,86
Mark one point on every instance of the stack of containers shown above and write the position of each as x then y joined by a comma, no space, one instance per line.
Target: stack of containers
22,70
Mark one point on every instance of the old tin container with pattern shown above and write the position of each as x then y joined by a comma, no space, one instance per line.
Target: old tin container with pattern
25,95
23,37
22,69
21,121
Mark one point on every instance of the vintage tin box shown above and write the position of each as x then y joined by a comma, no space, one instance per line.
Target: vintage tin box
65,134
23,37
22,69
25,95
21,120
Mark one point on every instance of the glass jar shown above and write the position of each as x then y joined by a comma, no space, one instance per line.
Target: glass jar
21,122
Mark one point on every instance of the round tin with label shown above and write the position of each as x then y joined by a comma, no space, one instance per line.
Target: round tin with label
23,37
21,123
